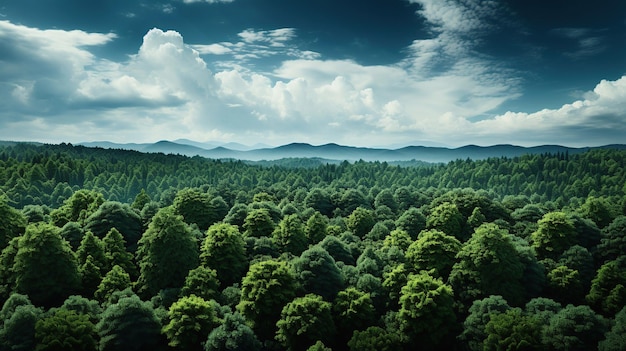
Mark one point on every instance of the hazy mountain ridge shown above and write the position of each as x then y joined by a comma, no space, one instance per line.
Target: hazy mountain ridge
333,151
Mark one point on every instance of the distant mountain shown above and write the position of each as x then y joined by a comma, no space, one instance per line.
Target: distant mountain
336,152
168,147
110,145
207,145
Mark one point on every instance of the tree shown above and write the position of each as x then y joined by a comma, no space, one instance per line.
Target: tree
318,274
202,282
394,281
147,212
260,249
265,289
315,229
337,249
36,213
616,337
360,221
166,253
406,198
77,208
580,259
129,324
117,279
433,249
73,233
91,246
289,235
543,309
488,264
115,253
565,285
258,223
223,250
45,266
191,318
412,221
574,328
370,262
374,339
140,200
426,310
352,199
447,218
237,215
232,335
304,321
122,217
195,207
374,287
83,306
10,304
275,213
512,330
65,330
18,329
556,233
385,198
476,218
90,277
318,346
12,222
398,238
352,310
7,275
599,210
320,201
613,242
608,288
475,324
378,232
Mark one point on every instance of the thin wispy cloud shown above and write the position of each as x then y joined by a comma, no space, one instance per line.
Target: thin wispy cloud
586,42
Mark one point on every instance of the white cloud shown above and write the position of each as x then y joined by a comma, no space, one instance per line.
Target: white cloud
42,67
254,45
212,49
166,91
459,16
276,37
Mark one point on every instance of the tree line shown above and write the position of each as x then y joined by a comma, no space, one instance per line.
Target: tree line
118,250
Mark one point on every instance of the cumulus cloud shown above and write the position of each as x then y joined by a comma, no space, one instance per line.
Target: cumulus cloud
599,118
166,90
41,68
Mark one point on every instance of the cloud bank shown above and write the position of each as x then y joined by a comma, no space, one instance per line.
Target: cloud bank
56,89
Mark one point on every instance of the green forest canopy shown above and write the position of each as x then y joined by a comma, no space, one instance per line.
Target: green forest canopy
170,252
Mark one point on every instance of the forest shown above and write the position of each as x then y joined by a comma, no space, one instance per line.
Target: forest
120,250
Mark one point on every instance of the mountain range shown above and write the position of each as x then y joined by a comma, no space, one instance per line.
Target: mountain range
337,152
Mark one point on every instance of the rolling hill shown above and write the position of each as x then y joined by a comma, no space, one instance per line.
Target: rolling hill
339,152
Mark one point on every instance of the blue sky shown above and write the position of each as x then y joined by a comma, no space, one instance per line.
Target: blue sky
363,73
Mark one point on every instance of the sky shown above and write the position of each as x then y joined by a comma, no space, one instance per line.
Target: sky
377,73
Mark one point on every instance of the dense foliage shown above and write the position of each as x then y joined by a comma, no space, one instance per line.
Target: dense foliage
112,249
